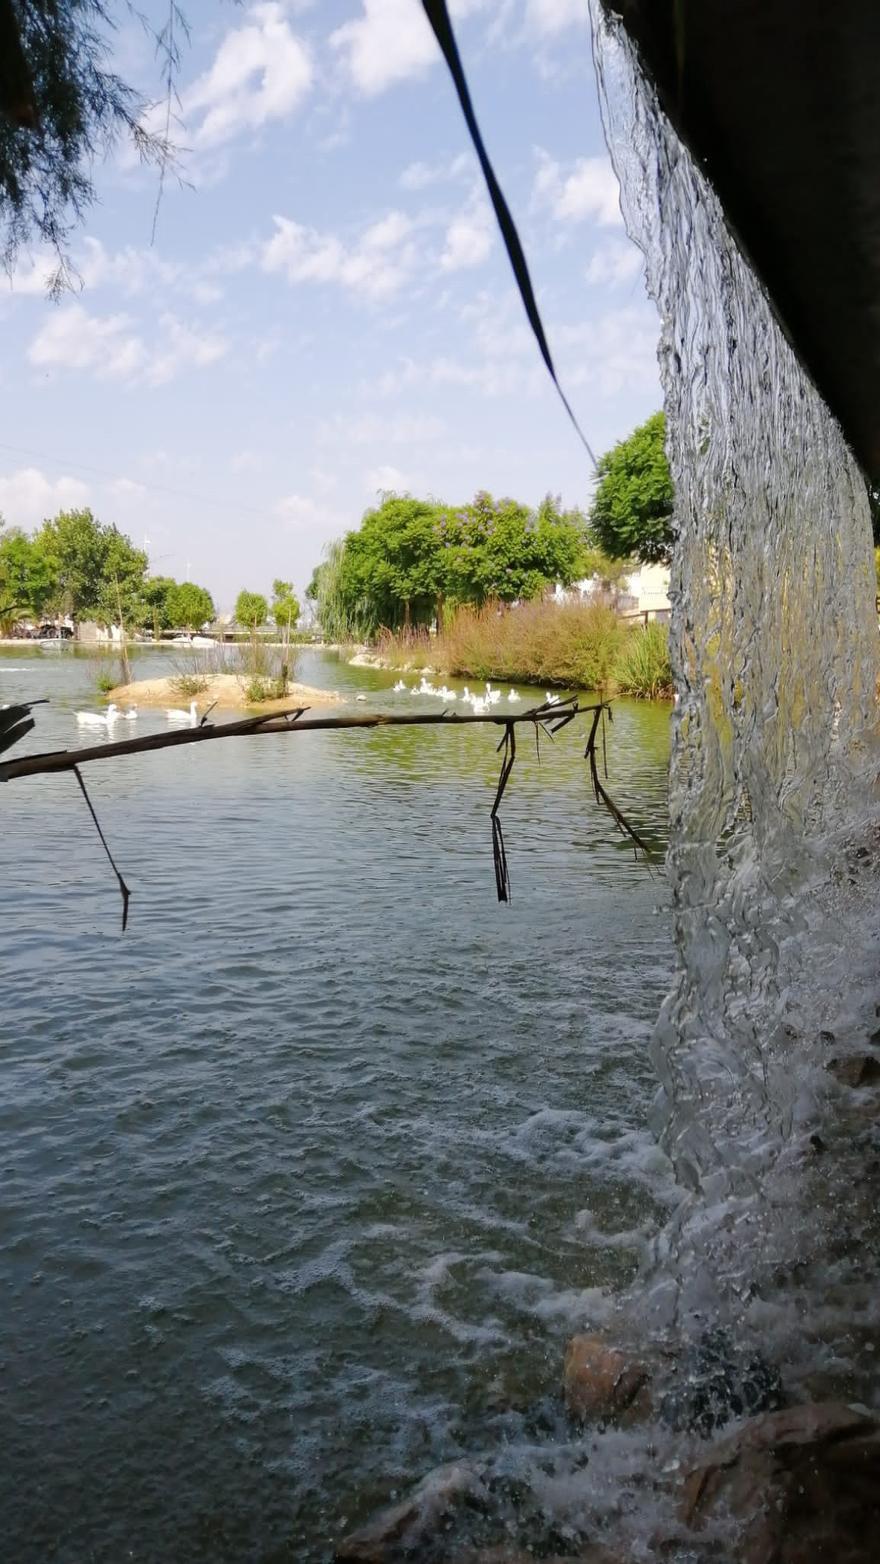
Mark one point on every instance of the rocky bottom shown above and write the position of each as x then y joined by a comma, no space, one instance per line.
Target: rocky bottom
795,1485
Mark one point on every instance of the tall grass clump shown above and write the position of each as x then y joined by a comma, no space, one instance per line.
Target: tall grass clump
571,644
643,668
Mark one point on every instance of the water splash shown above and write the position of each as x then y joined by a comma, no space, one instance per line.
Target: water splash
774,638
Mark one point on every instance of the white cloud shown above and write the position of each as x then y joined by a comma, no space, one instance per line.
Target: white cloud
300,511
375,265
183,348
380,480
261,72
468,237
418,176
403,429
614,262
615,353
391,41
549,17
28,496
588,189
74,339
112,349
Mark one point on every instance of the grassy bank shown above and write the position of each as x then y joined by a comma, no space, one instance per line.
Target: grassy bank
575,645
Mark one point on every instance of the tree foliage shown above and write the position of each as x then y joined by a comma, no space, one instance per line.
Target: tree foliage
188,606
285,605
97,572
76,565
251,609
61,110
26,577
631,514
410,558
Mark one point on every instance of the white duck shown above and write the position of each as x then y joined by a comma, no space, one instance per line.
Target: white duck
98,719
551,699
514,695
130,715
399,687
176,714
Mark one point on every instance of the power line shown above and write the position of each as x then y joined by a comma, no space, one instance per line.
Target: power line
155,488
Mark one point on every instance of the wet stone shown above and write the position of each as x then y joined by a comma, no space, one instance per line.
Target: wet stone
856,1069
801,1486
600,1381
408,1529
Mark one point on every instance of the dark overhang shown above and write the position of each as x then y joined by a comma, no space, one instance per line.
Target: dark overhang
779,103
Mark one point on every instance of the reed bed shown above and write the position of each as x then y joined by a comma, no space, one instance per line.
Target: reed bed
583,646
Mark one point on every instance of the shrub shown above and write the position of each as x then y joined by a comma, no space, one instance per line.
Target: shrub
189,685
643,668
258,689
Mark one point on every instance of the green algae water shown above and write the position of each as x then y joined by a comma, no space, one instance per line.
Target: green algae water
309,1176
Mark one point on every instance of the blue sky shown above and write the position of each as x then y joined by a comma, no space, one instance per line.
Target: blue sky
326,310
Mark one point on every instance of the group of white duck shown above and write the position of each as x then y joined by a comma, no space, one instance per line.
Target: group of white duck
481,705
175,716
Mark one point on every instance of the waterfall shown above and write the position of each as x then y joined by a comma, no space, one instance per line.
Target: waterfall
773,852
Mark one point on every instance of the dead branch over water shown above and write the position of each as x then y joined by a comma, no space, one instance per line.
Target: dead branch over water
547,718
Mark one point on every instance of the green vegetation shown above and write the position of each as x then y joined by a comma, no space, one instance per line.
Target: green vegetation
251,609
189,685
631,515
285,606
76,565
188,606
643,666
576,645
413,560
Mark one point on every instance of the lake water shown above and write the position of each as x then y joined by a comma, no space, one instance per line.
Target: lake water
308,1177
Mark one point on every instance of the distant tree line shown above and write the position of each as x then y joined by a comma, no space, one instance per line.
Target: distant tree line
412,558
76,566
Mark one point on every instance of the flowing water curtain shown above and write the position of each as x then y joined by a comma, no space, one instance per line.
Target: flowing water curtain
774,645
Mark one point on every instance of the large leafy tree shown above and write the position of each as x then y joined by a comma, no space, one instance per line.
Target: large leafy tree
503,550
392,569
631,514
155,593
188,606
96,569
27,579
251,609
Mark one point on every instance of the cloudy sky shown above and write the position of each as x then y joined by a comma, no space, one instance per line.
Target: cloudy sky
326,310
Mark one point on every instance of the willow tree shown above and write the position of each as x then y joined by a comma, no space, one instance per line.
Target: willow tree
61,110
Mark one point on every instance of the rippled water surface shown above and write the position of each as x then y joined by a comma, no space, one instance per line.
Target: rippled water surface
307,1177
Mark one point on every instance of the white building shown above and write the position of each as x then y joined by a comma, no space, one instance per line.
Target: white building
645,591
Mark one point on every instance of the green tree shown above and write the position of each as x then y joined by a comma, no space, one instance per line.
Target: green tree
500,549
97,570
631,513
326,592
251,609
119,596
393,569
285,605
189,606
156,590
27,581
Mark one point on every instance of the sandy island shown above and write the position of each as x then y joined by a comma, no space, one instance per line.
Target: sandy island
223,689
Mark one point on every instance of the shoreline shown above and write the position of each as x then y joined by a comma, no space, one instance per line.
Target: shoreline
223,690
